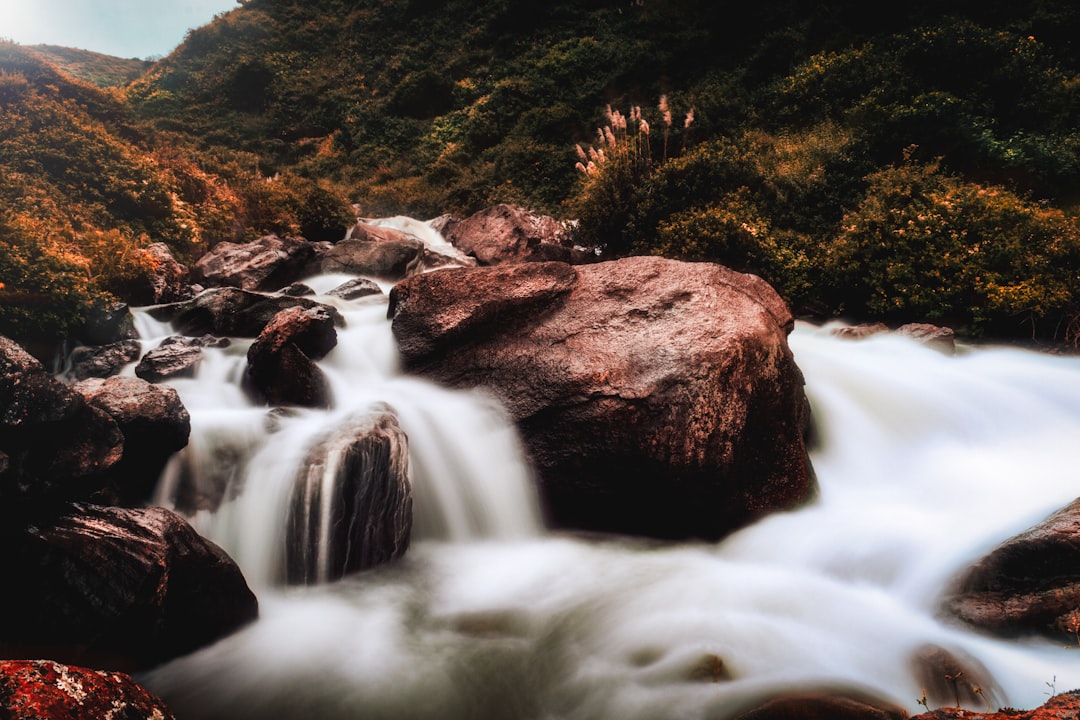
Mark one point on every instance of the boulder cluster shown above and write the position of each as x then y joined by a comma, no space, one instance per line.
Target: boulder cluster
654,398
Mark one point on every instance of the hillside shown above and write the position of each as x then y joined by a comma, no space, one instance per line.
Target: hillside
91,67
794,141
84,189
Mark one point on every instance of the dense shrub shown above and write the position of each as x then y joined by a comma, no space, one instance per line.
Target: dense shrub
925,244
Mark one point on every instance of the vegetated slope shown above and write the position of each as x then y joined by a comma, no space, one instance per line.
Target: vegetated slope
83,191
92,67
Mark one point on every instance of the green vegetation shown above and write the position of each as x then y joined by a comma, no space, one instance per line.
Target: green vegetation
915,162
101,70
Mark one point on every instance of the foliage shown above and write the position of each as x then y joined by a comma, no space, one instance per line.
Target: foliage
926,244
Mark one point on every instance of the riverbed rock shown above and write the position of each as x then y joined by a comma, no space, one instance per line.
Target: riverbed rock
654,397
281,362
1065,706
46,690
387,260
154,423
99,361
268,263
511,234
933,336
176,357
825,706
110,324
231,312
1029,584
355,482
116,588
56,445
355,289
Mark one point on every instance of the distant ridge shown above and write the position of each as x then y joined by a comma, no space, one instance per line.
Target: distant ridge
92,67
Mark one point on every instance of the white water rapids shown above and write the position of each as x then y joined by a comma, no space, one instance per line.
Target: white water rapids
925,462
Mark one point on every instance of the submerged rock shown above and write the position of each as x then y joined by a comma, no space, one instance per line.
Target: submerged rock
654,397
825,706
352,504
122,589
46,690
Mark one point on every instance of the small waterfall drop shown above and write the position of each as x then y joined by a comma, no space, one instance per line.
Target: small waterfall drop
925,463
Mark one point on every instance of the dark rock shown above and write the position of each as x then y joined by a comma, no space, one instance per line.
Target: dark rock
296,290
355,482
264,264
389,260
654,397
281,361
933,336
825,706
56,445
46,690
356,288
109,325
176,357
154,423
170,281
510,234
115,588
99,361
230,312
1028,584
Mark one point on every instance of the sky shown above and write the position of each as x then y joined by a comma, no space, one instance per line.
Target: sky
125,28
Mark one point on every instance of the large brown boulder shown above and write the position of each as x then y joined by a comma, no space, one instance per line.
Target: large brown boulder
267,264
46,690
154,423
1028,584
837,705
55,445
169,281
281,362
654,397
115,588
355,483
511,234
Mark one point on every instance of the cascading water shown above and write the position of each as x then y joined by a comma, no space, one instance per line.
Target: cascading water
925,462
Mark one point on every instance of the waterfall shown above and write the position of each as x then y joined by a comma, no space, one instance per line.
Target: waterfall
237,481
925,462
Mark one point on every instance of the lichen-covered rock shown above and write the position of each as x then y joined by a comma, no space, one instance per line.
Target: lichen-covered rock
654,397
46,690
116,588
1065,706
56,445
154,423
